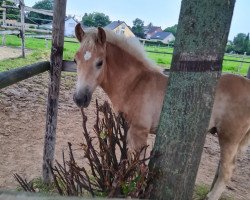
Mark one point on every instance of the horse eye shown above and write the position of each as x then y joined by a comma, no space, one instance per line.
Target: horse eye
99,64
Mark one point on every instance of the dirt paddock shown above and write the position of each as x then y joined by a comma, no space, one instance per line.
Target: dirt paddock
22,127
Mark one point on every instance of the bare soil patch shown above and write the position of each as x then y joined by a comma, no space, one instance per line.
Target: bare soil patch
10,52
22,128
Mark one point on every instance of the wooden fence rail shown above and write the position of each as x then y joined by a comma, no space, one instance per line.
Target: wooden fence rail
27,29
13,76
10,77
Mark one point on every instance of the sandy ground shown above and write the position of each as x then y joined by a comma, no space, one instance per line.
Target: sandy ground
22,128
7,52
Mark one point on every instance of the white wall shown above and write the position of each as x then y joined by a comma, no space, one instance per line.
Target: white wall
70,27
169,39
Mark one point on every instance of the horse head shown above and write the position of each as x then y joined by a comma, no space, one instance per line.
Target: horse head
91,61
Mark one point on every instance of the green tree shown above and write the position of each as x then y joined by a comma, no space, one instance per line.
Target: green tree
239,41
150,25
172,29
246,44
230,46
40,18
11,13
95,19
240,44
137,28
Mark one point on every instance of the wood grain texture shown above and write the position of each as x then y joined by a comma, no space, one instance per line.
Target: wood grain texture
55,76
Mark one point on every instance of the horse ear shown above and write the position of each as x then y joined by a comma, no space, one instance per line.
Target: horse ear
79,32
101,35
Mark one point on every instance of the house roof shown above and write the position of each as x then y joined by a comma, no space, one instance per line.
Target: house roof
160,35
67,18
114,24
151,29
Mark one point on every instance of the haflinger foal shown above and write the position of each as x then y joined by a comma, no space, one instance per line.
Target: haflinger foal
136,87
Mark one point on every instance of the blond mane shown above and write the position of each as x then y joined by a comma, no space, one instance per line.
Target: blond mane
131,45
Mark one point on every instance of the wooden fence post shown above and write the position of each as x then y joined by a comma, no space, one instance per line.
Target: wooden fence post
196,67
55,76
4,22
22,31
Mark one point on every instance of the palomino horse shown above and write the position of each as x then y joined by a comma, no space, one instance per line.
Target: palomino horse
136,88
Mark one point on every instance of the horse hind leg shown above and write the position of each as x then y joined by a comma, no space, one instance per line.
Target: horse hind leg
225,170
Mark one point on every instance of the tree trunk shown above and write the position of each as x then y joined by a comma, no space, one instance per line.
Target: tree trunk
55,76
196,67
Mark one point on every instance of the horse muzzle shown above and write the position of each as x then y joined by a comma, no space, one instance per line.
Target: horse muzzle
82,98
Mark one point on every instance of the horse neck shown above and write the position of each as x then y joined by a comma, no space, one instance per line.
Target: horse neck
121,74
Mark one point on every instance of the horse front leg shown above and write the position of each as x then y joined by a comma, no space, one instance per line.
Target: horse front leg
137,139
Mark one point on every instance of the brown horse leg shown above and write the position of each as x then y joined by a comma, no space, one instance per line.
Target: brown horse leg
137,139
228,156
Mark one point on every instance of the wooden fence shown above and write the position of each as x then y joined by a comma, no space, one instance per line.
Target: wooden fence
55,66
21,26
15,75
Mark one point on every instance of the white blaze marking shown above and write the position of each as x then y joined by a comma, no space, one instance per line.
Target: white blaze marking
87,55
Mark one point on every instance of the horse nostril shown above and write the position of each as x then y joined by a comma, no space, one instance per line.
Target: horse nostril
85,99
77,100
82,100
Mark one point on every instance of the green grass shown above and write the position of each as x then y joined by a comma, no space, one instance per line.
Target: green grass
40,53
41,187
163,60
159,49
201,191
33,57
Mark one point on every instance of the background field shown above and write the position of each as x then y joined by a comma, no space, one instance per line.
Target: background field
40,50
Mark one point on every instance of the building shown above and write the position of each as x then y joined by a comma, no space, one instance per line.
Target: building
69,30
150,30
120,27
70,24
164,37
